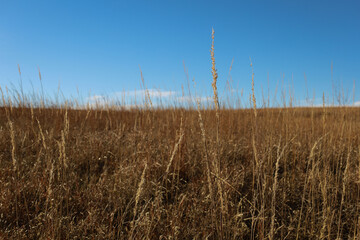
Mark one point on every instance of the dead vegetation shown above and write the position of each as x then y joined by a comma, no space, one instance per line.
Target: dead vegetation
176,173
68,174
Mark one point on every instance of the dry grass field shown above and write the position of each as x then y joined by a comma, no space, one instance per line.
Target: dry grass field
176,173
165,174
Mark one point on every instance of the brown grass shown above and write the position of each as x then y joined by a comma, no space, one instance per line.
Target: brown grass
171,173
91,182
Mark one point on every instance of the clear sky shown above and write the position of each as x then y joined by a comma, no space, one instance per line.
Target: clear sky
97,46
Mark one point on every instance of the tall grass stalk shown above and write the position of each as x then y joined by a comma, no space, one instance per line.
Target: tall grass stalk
206,155
137,198
217,112
148,102
345,179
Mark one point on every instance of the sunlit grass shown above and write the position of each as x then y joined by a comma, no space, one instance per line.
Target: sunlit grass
107,171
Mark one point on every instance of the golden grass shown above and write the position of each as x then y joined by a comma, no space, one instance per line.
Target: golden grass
172,173
308,186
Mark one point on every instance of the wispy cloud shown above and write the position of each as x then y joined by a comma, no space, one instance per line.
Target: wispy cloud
155,93
189,99
357,104
96,98
152,93
132,98
135,99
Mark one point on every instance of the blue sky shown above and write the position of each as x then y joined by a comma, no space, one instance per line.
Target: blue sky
98,46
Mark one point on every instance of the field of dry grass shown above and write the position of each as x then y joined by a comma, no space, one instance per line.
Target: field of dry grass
289,173
178,173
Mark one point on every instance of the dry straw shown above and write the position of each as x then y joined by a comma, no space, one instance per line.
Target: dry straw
147,94
41,134
307,179
13,147
253,88
275,186
345,179
216,155
214,74
137,198
203,137
176,147
255,115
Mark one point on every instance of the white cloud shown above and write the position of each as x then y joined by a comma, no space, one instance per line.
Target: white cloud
95,98
131,99
189,99
152,93
357,104
134,99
